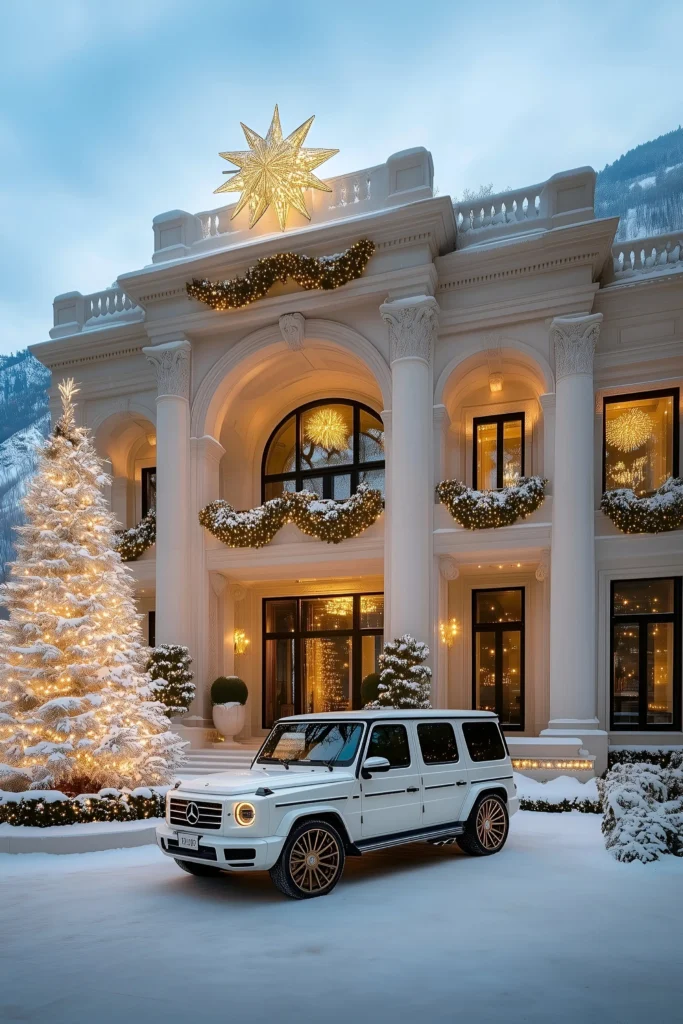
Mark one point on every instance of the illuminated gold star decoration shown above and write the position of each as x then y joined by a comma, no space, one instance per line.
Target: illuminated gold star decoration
275,171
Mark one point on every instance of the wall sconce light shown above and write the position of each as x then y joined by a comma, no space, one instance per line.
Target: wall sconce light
448,632
241,641
152,440
496,382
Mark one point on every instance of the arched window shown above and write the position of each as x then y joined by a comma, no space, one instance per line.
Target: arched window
327,447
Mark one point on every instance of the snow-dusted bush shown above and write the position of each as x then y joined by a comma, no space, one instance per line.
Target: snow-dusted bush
169,668
404,679
643,810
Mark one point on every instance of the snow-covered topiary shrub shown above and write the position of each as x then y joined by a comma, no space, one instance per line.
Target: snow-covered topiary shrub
169,668
404,679
643,811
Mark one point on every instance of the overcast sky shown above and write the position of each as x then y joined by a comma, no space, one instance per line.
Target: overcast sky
113,112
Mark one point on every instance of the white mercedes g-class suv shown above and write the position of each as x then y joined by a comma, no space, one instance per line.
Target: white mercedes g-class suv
330,786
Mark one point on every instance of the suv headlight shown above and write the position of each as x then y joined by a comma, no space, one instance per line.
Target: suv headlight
245,814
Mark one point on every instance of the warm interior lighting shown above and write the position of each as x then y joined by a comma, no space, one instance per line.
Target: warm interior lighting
495,382
327,428
152,440
448,632
240,641
629,431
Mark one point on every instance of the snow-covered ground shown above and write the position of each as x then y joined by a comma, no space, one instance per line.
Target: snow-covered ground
550,930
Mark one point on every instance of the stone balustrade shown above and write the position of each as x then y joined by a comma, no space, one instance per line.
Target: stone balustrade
74,312
566,198
404,178
647,255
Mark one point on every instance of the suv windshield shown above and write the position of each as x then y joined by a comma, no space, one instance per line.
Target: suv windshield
312,743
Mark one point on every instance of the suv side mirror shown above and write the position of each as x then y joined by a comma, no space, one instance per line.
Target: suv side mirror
375,764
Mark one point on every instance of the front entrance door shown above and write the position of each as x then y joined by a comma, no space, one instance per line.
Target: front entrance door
498,653
391,801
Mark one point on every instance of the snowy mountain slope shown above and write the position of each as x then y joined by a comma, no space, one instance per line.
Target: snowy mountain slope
644,187
24,421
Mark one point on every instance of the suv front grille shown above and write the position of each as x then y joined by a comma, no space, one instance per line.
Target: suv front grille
202,813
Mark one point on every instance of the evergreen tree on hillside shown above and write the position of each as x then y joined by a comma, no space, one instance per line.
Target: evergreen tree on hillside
75,707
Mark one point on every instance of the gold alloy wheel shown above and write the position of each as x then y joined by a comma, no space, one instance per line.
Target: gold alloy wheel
314,861
490,824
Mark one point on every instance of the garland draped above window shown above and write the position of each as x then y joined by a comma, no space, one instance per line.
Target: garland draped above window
486,510
661,512
132,543
326,519
310,272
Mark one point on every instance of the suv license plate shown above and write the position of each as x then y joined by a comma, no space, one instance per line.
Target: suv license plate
187,842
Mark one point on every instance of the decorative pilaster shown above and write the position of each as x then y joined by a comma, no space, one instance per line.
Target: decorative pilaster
171,361
572,562
412,325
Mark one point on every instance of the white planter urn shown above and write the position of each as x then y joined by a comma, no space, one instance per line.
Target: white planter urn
229,720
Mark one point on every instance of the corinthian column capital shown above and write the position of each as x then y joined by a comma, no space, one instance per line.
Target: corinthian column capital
412,324
574,340
171,360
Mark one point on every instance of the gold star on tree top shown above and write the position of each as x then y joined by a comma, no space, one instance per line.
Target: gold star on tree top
275,171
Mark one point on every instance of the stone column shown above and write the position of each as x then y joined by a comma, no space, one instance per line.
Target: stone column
171,361
572,561
206,637
412,327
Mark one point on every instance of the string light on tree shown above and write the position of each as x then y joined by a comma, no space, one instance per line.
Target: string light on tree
76,706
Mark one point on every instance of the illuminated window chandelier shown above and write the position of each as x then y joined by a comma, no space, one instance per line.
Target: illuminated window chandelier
327,428
629,431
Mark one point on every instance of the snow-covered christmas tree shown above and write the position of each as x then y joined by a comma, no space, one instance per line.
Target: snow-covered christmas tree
404,678
76,708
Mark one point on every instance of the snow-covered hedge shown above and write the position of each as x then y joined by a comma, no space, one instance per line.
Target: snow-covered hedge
486,510
564,793
643,810
43,808
659,756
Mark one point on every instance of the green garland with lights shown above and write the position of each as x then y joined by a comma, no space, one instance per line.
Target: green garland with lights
309,272
55,808
487,510
661,512
324,518
132,543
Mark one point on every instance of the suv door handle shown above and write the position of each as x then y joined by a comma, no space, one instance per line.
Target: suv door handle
461,782
413,789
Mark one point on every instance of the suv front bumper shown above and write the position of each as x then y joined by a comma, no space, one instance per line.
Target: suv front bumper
225,852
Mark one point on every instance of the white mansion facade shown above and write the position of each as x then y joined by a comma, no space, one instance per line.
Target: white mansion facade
484,342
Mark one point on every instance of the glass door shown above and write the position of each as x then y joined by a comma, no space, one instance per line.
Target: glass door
498,654
317,651
646,654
